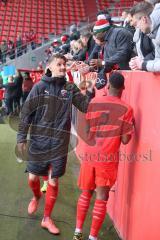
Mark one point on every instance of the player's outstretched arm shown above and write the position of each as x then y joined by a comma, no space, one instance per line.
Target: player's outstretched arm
81,101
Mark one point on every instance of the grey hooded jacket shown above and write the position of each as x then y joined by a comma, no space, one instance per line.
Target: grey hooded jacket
144,46
154,65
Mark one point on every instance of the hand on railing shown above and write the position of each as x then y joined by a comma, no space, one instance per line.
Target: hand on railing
136,63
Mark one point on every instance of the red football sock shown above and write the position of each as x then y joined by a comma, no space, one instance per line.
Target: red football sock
45,178
82,208
51,196
98,216
35,187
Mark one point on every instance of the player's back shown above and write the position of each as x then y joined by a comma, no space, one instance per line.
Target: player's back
107,119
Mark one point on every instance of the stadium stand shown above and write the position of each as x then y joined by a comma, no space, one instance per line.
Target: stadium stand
44,17
101,4
51,17
115,6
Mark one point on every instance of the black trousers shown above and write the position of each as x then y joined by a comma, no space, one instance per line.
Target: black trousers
9,103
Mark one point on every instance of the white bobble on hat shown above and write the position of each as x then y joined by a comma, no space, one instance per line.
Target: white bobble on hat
101,16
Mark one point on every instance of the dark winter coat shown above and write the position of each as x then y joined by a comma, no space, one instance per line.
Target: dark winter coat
10,90
90,45
47,112
18,81
118,47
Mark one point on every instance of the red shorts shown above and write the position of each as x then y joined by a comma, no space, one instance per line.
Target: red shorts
92,176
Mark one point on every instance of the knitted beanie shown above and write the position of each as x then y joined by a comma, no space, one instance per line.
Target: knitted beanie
101,25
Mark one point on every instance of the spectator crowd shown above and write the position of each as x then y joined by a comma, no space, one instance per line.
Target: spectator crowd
132,45
16,48
17,89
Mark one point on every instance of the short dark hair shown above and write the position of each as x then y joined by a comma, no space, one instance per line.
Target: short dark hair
104,11
116,80
56,56
86,34
144,8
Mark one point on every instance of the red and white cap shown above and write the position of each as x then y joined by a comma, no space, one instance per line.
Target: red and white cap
64,38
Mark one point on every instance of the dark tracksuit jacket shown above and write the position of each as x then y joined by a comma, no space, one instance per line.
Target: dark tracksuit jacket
47,112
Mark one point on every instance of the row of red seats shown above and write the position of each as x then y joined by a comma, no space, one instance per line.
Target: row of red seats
43,17
113,5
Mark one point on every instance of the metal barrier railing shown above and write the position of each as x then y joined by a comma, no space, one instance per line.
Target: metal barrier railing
13,54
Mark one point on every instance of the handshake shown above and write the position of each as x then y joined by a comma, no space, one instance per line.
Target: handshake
82,67
98,79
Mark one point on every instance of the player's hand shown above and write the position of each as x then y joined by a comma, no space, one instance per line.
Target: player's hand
22,147
91,79
96,63
88,82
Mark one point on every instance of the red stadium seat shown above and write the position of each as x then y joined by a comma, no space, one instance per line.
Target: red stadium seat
115,7
42,16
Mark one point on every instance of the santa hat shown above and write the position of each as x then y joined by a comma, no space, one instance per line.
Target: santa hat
101,26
